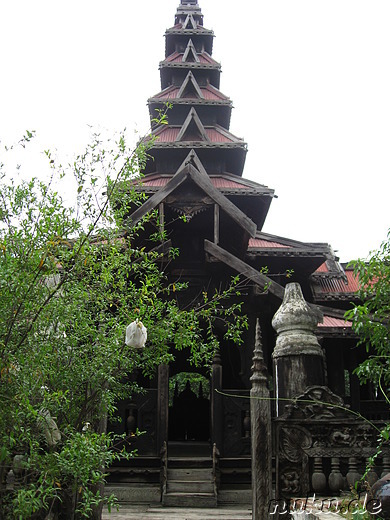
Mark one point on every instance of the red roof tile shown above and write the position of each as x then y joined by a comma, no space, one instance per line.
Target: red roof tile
267,244
335,322
218,182
158,183
169,134
323,268
339,285
168,93
203,58
353,282
216,136
211,93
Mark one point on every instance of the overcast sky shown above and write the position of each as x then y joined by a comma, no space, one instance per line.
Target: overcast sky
309,79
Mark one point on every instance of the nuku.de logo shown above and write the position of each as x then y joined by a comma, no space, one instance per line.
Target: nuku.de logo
360,504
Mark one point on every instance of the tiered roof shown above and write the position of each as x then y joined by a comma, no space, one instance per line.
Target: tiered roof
197,164
200,115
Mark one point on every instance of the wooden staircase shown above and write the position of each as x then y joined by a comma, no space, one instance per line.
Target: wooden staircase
189,479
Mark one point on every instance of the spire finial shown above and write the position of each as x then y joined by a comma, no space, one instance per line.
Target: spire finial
259,369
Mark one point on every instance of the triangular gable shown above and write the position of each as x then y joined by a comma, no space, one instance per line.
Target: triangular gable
190,170
190,54
190,85
192,158
192,127
190,23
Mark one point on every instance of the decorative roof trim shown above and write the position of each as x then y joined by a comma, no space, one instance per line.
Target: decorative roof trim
190,19
154,181
295,244
190,79
201,144
190,50
193,118
192,168
202,31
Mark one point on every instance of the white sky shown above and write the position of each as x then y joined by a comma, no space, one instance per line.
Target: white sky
309,79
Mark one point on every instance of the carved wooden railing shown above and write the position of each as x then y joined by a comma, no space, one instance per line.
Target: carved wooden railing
216,470
164,469
321,447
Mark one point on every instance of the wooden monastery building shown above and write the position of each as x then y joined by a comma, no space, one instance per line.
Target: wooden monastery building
198,444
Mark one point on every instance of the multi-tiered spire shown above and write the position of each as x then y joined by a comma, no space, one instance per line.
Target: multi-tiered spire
197,163
200,114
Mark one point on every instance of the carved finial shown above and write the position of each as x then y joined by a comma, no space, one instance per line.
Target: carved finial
294,313
259,340
295,322
259,370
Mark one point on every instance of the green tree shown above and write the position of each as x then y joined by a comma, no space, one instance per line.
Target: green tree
71,280
371,319
371,322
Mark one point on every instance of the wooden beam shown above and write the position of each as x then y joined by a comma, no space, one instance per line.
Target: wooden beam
244,269
235,213
162,218
216,224
158,197
201,179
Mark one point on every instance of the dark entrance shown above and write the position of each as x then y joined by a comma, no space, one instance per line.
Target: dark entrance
189,408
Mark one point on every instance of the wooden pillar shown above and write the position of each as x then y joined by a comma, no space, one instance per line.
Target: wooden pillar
216,224
261,429
162,219
216,402
162,405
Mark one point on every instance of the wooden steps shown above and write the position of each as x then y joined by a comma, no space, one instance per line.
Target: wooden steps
190,481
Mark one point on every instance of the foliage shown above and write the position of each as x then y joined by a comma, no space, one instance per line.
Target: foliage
370,319
71,280
179,381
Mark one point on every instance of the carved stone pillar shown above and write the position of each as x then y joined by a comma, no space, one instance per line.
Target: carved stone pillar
385,466
261,433
162,405
372,475
353,474
298,358
318,478
217,403
336,479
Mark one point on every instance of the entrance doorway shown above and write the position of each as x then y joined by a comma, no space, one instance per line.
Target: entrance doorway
189,408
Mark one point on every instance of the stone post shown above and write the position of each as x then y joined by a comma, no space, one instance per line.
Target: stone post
297,358
261,433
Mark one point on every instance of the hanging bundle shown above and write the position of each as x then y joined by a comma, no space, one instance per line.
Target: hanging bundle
136,334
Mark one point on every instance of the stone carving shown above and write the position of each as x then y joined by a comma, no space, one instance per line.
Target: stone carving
295,322
336,479
318,402
342,436
290,481
189,210
293,441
